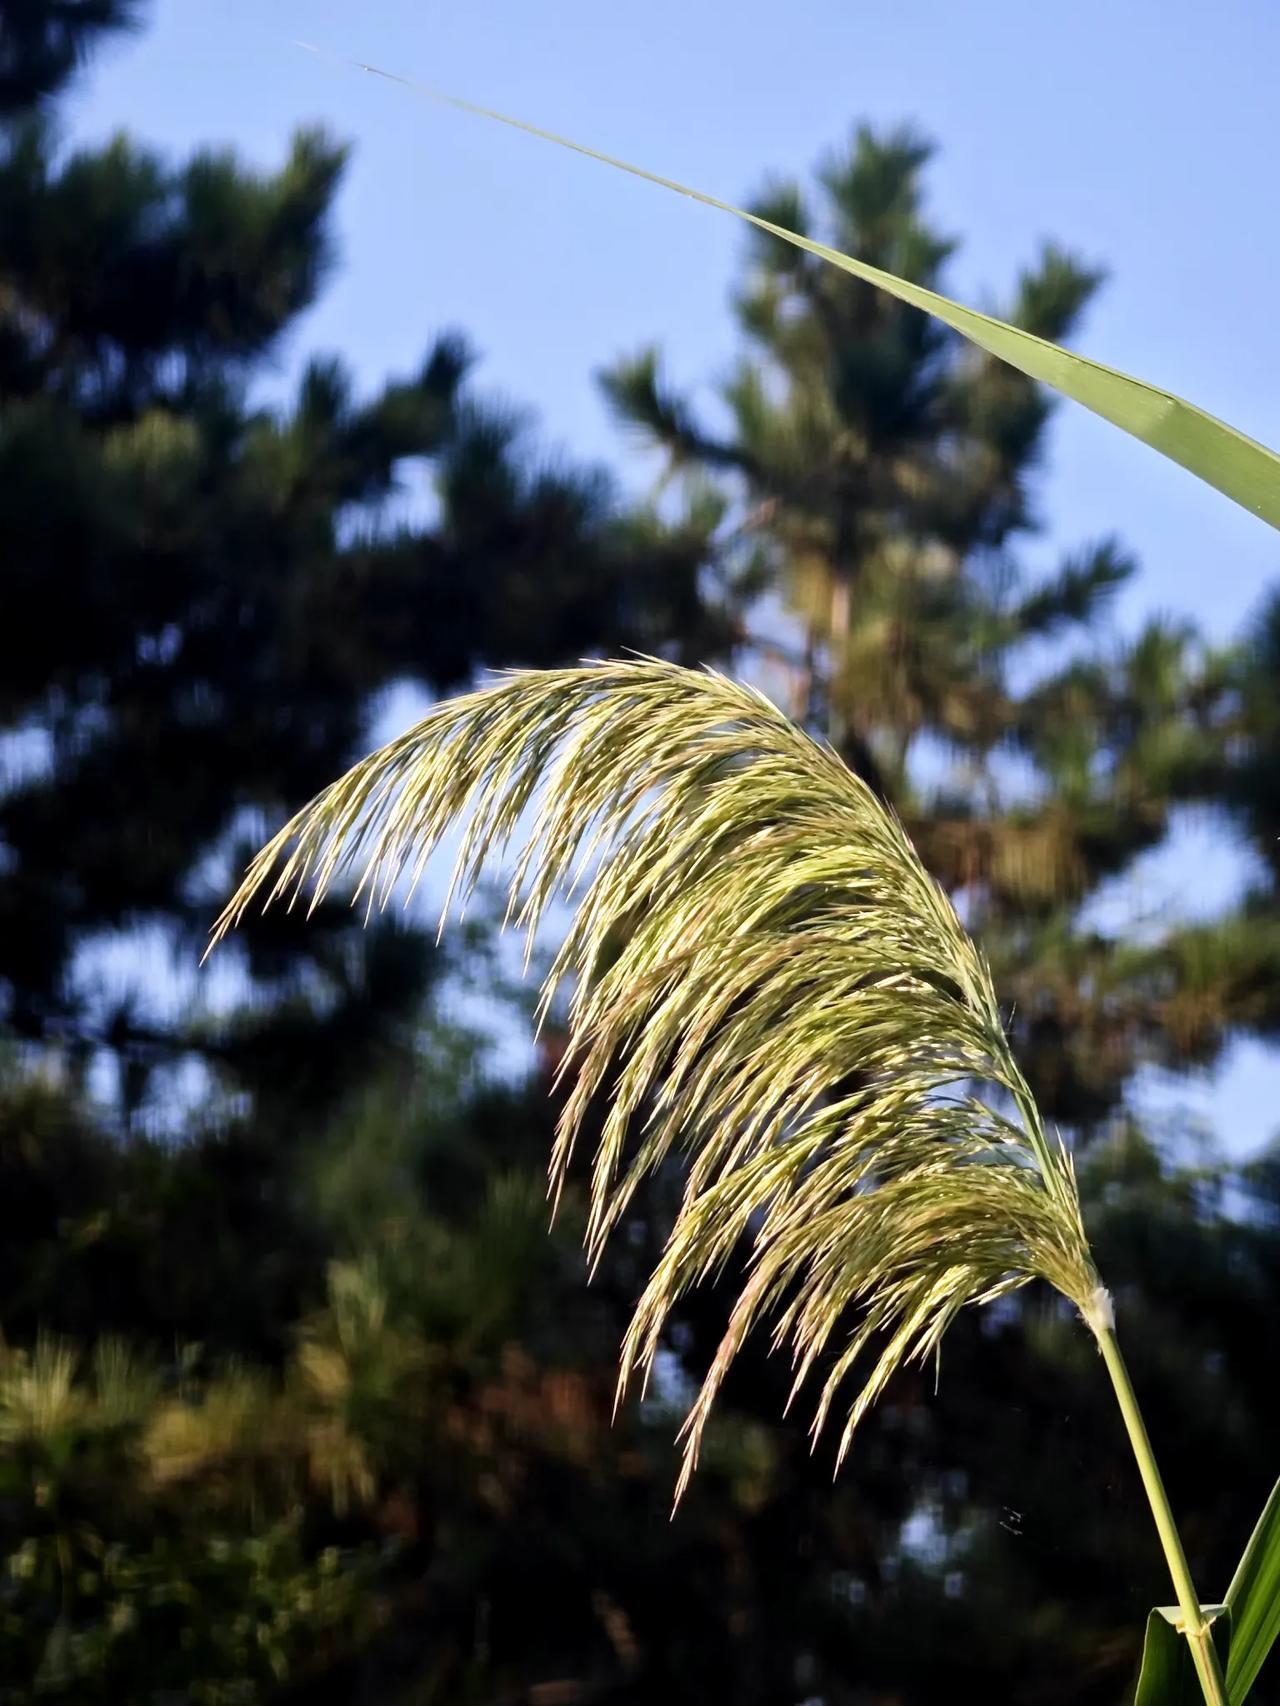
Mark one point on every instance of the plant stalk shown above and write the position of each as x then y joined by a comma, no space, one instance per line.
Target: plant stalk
1194,1626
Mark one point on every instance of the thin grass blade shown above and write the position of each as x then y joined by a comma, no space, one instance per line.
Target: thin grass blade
1254,1601
1238,466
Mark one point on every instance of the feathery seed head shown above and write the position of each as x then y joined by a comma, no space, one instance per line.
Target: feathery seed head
766,980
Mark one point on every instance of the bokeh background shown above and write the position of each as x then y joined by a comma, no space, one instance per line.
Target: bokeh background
317,401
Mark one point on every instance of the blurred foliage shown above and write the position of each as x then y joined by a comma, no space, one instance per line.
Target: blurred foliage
298,1399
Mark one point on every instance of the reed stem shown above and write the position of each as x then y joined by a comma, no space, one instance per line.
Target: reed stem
1194,1625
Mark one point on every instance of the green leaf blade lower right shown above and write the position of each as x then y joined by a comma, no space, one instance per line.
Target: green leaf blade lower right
1254,1602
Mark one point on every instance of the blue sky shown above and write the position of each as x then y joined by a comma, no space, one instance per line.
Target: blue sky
1141,133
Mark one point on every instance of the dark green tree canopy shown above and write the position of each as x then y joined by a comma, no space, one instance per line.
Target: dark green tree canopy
208,596
42,42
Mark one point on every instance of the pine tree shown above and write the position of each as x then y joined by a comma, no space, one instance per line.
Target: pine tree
878,478
882,474
208,597
209,601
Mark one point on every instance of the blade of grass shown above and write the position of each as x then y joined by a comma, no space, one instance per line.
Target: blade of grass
1254,1601
1215,452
